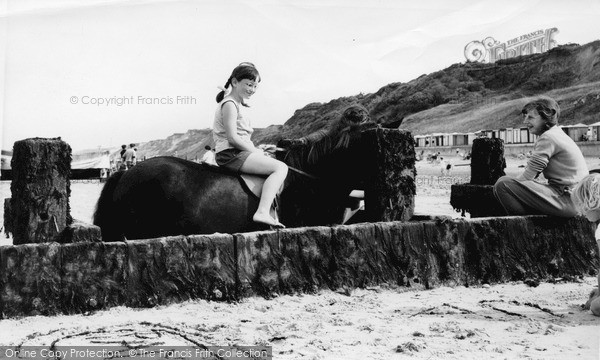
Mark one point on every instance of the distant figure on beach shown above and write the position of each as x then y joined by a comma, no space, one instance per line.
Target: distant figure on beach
445,167
129,156
121,164
586,197
463,155
234,149
437,158
556,156
209,156
434,158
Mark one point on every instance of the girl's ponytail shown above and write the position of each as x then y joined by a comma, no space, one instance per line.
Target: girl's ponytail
221,94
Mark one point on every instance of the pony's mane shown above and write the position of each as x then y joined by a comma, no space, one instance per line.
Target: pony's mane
323,142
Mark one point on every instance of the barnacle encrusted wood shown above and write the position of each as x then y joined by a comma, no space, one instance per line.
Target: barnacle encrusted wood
477,200
390,187
40,189
487,165
487,161
50,278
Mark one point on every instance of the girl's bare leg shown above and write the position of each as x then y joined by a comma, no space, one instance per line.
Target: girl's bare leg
276,172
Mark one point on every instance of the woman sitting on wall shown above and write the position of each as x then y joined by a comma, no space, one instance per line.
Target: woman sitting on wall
556,156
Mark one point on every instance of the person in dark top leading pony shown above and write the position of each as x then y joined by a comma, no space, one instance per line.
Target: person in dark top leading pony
235,150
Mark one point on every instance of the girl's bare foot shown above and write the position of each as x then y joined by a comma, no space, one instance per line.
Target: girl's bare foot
267,219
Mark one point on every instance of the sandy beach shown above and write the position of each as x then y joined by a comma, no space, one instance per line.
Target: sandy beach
505,321
498,321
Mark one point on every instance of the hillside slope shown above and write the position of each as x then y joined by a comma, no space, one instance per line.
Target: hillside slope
579,104
188,145
463,97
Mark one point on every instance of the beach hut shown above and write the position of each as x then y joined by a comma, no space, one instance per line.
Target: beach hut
430,140
420,140
470,137
508,136
460,139
594,131
577,132
502,134
516,136
437,139
524,136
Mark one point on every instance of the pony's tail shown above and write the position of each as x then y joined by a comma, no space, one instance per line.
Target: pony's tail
107,214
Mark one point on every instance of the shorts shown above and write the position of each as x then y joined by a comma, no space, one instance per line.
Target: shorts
231,158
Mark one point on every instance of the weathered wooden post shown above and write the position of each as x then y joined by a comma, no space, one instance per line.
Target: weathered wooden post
487,166
39,206
487,161
390,186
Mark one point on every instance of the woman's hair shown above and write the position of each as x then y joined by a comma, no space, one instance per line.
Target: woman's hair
586,195
244,71
547,108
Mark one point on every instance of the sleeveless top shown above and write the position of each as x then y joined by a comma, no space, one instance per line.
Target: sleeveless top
243,128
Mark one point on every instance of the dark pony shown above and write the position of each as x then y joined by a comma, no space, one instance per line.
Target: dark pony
332,164
171,196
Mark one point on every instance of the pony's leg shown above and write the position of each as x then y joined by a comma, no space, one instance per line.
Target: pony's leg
276,172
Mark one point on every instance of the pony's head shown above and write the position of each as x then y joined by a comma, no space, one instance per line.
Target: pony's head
331,164
353,121
341,134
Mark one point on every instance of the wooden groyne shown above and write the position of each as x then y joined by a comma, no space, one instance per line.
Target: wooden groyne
52,278
487,166
41,276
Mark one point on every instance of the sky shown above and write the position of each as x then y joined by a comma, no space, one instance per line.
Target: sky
101,73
